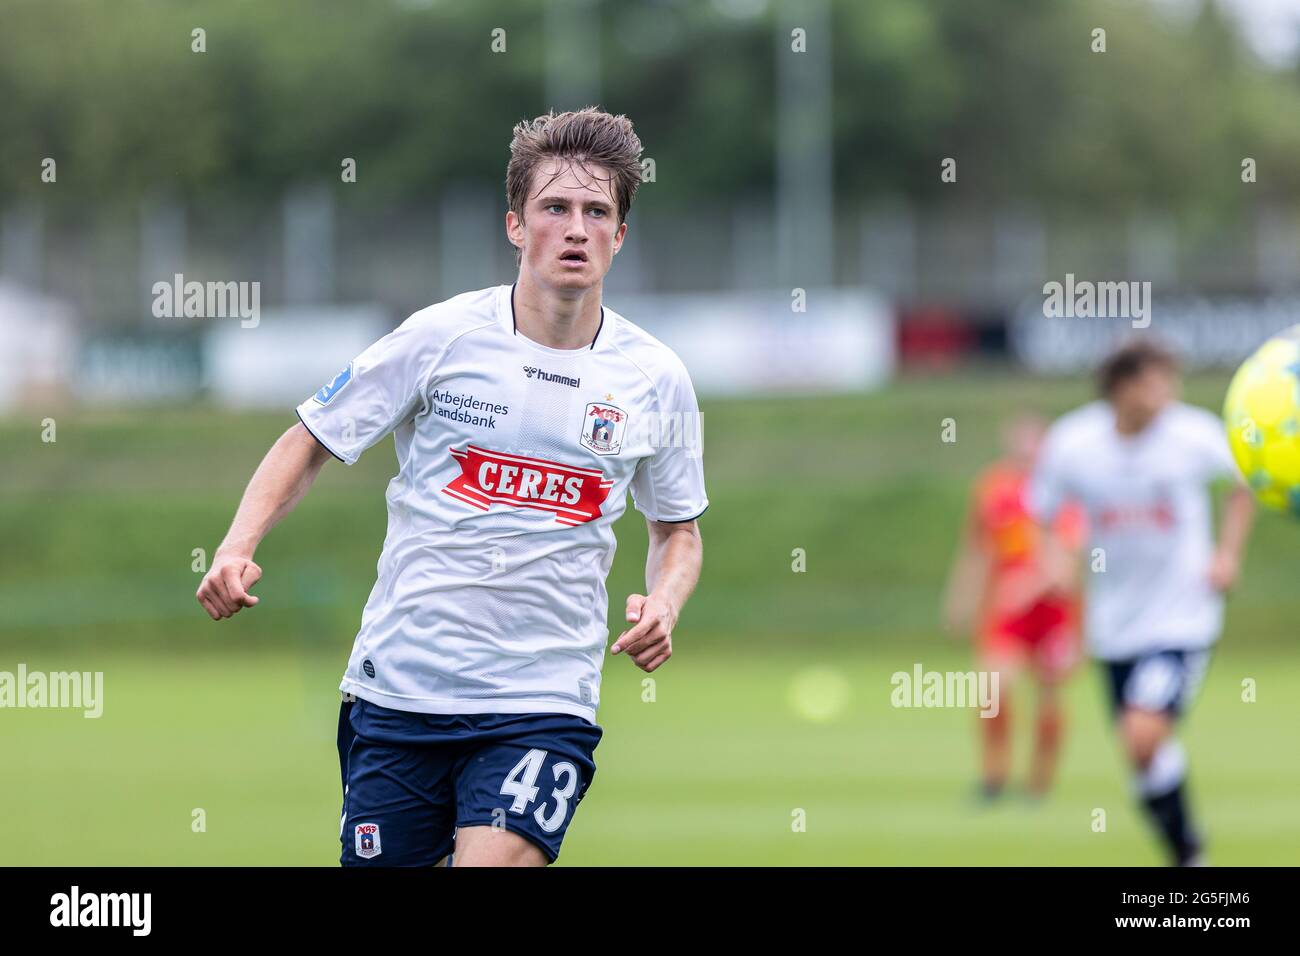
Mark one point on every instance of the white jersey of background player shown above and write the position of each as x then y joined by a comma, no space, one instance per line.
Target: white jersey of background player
1141,462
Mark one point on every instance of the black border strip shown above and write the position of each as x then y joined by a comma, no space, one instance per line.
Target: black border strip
680,520
317,437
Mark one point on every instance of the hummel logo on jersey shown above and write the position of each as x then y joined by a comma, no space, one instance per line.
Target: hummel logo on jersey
530,371
486,477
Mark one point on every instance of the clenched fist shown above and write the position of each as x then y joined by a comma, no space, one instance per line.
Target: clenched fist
224,590
649,642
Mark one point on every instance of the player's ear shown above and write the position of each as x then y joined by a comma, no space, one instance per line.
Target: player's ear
514,229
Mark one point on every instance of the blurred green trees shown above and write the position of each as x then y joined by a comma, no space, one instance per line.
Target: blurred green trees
414,92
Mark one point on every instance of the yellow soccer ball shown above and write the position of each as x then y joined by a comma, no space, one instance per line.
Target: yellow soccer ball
1262,412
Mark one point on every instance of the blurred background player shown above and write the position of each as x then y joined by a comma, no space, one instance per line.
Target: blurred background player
1140,462
1022,620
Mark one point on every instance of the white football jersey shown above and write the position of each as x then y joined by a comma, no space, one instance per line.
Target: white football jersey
1149,512
514,462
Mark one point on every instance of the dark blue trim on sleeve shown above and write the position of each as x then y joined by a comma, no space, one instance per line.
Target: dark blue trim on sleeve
678,520
317,437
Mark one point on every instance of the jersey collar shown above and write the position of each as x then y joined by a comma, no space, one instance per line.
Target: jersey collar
514,328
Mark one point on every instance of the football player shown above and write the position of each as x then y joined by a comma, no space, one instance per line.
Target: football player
1141,462
522,416
1022,621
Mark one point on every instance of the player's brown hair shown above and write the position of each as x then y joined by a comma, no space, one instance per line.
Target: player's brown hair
1129,361
586,136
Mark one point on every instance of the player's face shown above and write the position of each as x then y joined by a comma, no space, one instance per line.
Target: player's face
1143,396
1022,438
570,230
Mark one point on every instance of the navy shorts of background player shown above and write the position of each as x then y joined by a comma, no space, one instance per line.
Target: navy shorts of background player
410,779
1164,681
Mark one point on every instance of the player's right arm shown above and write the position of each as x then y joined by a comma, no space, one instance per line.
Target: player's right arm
279,483
1059,564
1061,541
379,389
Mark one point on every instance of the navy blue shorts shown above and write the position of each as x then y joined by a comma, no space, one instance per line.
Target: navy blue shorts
1163,681
410,779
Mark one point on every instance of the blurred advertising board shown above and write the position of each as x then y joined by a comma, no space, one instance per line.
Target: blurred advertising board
1205,331
755,343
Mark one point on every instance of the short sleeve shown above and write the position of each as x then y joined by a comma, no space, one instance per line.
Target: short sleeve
668,484
1048,485
1216,459
1071,525
376,392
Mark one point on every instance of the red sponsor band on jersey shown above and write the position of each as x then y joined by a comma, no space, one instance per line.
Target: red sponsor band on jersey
574,495
1159,515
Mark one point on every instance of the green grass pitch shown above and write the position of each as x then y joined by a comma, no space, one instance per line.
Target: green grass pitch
725,766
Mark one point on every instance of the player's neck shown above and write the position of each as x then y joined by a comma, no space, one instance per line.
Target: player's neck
554,320
1132,423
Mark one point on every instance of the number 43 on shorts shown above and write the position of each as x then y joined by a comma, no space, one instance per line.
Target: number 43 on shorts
521,784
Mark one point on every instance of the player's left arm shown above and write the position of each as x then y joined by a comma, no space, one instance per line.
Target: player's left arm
672,569
1234,529
1238,506
967,577
1060,565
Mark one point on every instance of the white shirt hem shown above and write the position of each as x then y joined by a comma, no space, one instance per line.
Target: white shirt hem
430,705
1152,646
